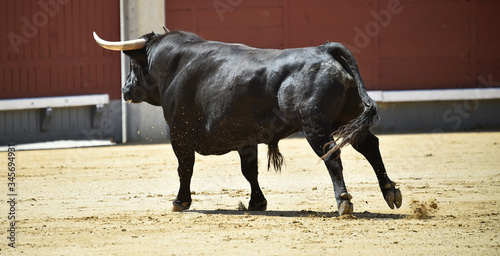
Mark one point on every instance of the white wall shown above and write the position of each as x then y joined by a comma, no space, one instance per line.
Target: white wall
145,123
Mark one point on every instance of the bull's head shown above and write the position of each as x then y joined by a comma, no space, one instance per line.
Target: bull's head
140,85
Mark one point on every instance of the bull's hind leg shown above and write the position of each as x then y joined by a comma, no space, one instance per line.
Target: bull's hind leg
369,148
318,136
185,170
249,168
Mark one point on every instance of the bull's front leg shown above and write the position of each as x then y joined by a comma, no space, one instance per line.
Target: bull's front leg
369,148
185,158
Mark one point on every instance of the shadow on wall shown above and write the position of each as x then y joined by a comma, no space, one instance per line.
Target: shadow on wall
438,116
146,124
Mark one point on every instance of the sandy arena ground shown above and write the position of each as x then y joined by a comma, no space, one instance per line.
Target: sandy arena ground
117,201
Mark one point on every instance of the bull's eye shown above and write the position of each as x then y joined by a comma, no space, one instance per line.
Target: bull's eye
149,83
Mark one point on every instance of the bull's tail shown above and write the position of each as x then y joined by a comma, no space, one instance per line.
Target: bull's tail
274,157
356,130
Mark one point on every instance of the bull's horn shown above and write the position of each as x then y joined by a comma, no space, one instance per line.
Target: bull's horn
166,29
120,46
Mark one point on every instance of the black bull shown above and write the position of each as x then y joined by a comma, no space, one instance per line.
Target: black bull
218,97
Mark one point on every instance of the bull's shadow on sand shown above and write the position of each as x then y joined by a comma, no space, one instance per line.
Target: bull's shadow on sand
303,213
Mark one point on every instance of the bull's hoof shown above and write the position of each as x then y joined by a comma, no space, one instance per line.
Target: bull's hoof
398,198
179,207
345,207
262,206
392,195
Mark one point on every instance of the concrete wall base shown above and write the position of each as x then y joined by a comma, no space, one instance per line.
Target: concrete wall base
146,124
438,116
73,123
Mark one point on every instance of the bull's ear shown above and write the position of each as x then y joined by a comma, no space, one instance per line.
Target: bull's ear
139,56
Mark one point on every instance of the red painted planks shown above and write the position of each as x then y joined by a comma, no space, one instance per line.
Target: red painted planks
302,36
367,71
426,11
77,77
333,13
488,63
61,80
14,44
424,73
176,5
43,35
35,41
85,78
231,5
69,24
99,78
487,18
178,19
107,77
18,53
488,50
26,6
16,81
52,31
82,29
324,3
31,80
60,49
91,17
431,31
488,72
241,17
4,35
488,40
98,26
2,81
59,19
54,87
7,83
23,80
93,77
249,36
76,23
430,48
115,74
69,81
